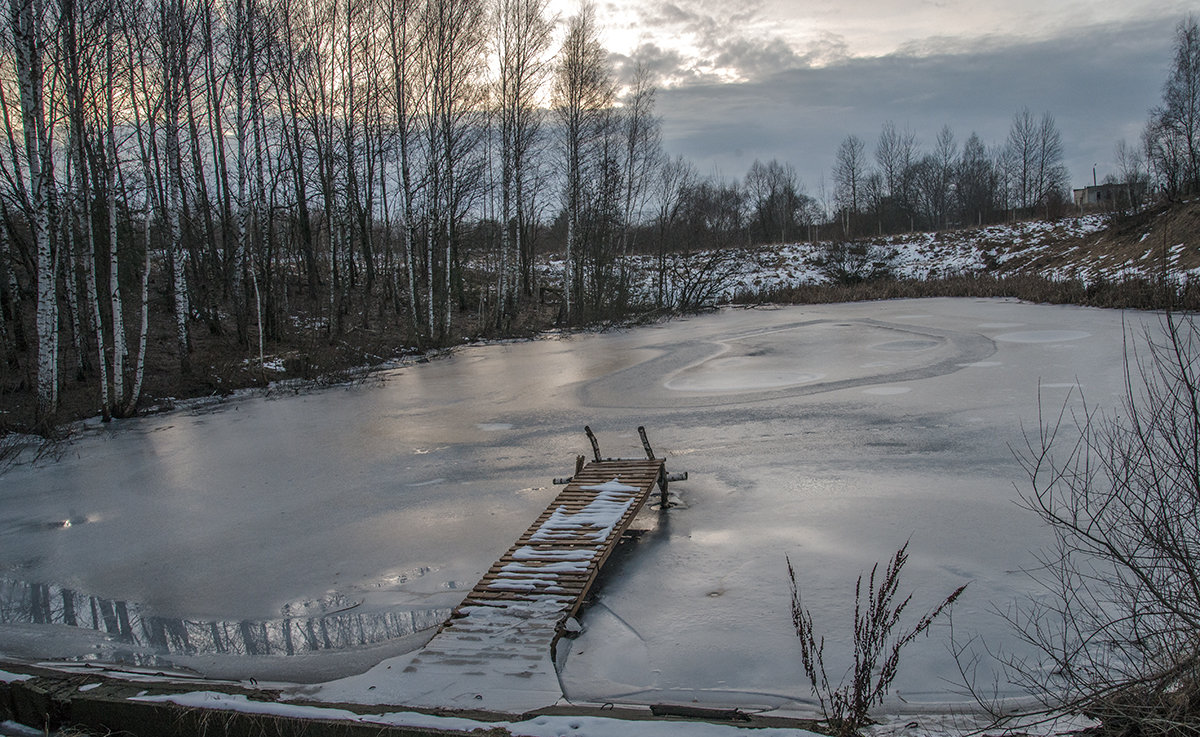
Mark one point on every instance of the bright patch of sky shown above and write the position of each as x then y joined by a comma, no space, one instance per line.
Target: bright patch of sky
687,41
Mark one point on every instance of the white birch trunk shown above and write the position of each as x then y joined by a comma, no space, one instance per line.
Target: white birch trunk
398,25
429,275
89,271
114,282
93,297
67,263
140,365
26,16
177,66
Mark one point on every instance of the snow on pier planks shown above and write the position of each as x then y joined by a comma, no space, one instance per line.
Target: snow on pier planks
497,651
560,555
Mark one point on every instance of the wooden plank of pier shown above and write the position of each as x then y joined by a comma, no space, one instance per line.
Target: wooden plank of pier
562,552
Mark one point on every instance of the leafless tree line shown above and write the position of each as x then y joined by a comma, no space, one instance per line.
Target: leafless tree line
949,185
356,156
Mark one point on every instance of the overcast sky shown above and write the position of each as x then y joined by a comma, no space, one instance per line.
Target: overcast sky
789,79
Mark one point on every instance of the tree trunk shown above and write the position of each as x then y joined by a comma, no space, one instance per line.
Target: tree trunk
114,282
26,20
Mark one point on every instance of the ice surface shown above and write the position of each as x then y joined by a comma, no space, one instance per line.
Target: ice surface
403,492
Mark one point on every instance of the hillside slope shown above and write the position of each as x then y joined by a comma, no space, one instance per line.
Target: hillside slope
1089,248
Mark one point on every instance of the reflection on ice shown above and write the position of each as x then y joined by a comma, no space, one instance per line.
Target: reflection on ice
131,624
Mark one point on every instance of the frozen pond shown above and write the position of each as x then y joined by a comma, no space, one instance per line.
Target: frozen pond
831,434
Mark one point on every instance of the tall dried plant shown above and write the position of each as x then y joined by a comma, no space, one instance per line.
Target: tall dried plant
846,706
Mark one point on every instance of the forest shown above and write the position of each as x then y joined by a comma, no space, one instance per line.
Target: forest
190,186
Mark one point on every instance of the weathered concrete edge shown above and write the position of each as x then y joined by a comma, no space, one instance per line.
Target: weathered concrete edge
51,699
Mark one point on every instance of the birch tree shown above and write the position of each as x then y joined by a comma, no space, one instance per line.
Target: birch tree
75,24
583,90
403,46
453,57
522,37
173,38
26,18
116,309
641,134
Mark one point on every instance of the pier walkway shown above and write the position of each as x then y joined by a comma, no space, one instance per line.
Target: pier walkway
499,647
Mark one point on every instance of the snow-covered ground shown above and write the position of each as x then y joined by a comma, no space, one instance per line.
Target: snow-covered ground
1003,249
830,434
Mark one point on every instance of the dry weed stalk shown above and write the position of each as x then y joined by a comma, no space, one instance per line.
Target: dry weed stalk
876,651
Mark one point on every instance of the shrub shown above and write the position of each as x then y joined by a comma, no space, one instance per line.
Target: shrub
1115,621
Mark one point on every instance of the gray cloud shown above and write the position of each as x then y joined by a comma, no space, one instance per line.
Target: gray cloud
666,66
1099,84
721,41
753,58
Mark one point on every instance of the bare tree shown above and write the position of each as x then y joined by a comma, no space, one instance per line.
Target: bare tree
1173,134
1131,172
642,146
583,92
174,38
849,171
778,199
242,74
675,178
940,181
1036,151
896,153
522,36
77,44
1022,149
975,182
112,164
1113,624
453,50
402,51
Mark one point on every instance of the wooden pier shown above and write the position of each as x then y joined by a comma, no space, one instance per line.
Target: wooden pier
501,641
561,553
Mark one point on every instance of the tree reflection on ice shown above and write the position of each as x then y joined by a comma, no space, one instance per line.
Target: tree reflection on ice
132,624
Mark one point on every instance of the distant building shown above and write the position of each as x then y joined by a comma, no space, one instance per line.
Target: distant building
1107,196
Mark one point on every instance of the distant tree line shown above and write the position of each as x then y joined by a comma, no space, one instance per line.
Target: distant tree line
901,188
